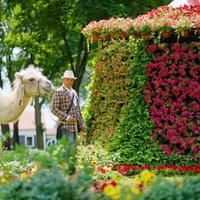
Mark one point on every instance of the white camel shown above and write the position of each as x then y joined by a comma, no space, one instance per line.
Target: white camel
28,83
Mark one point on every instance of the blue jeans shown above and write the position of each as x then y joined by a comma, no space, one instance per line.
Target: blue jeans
69,135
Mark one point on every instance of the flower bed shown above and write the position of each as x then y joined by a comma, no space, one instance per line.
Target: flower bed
170,88
130,170
155,22
48,176
172,93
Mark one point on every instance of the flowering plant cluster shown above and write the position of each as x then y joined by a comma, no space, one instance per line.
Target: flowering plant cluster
110,89
172,93
116,190
84,182
168,18
14,170
130,169
118,78
118,171
147,185
155,21
107,167
110,28
137,180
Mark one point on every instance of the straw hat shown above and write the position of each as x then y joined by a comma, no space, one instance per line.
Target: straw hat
69,74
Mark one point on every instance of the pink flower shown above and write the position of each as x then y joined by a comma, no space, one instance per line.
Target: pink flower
166,149
173,93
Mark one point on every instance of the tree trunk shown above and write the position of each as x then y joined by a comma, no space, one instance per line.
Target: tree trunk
81,61
38,122
6,132
15,139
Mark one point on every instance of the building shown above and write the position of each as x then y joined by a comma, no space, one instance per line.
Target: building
27,129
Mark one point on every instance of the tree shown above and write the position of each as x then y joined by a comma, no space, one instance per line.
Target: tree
133,8
48,33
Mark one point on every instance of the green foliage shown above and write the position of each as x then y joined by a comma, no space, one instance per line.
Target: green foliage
95,154
53,181
133,138
165,189
56,177
136,7
123,61
44,185
24,155
48,184
103,10
28,31
88,113
111,82
119,116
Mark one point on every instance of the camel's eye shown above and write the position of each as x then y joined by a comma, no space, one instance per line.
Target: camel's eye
31,79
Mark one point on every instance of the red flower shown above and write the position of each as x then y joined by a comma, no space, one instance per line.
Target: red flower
103,186
173,93
96,185
113,183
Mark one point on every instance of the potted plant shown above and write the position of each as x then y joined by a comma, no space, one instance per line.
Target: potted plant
91,31
119,27
164,31
183,26
145,31
133,32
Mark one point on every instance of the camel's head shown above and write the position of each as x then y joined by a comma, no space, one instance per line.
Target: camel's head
33,81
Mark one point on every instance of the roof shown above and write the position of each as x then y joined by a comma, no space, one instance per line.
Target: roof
27,120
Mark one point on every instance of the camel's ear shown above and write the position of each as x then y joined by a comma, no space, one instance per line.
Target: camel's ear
18,75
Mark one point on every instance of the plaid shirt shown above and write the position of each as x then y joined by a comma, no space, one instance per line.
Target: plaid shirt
60,103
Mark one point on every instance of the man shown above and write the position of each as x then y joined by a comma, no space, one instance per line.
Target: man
65,105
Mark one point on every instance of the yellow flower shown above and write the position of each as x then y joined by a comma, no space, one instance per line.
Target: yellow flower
36,165
112,191
148,177
33,171
145,177
108,168
23,176
94,162
135,190
4,181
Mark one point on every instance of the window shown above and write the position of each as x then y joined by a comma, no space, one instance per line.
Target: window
29,141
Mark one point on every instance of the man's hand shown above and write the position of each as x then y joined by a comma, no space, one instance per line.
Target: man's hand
71,120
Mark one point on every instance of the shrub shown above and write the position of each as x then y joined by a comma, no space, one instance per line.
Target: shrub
43,185
133,139
165,189
109,91
154,117
55,178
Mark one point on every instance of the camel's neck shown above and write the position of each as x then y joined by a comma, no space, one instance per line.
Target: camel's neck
10,108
